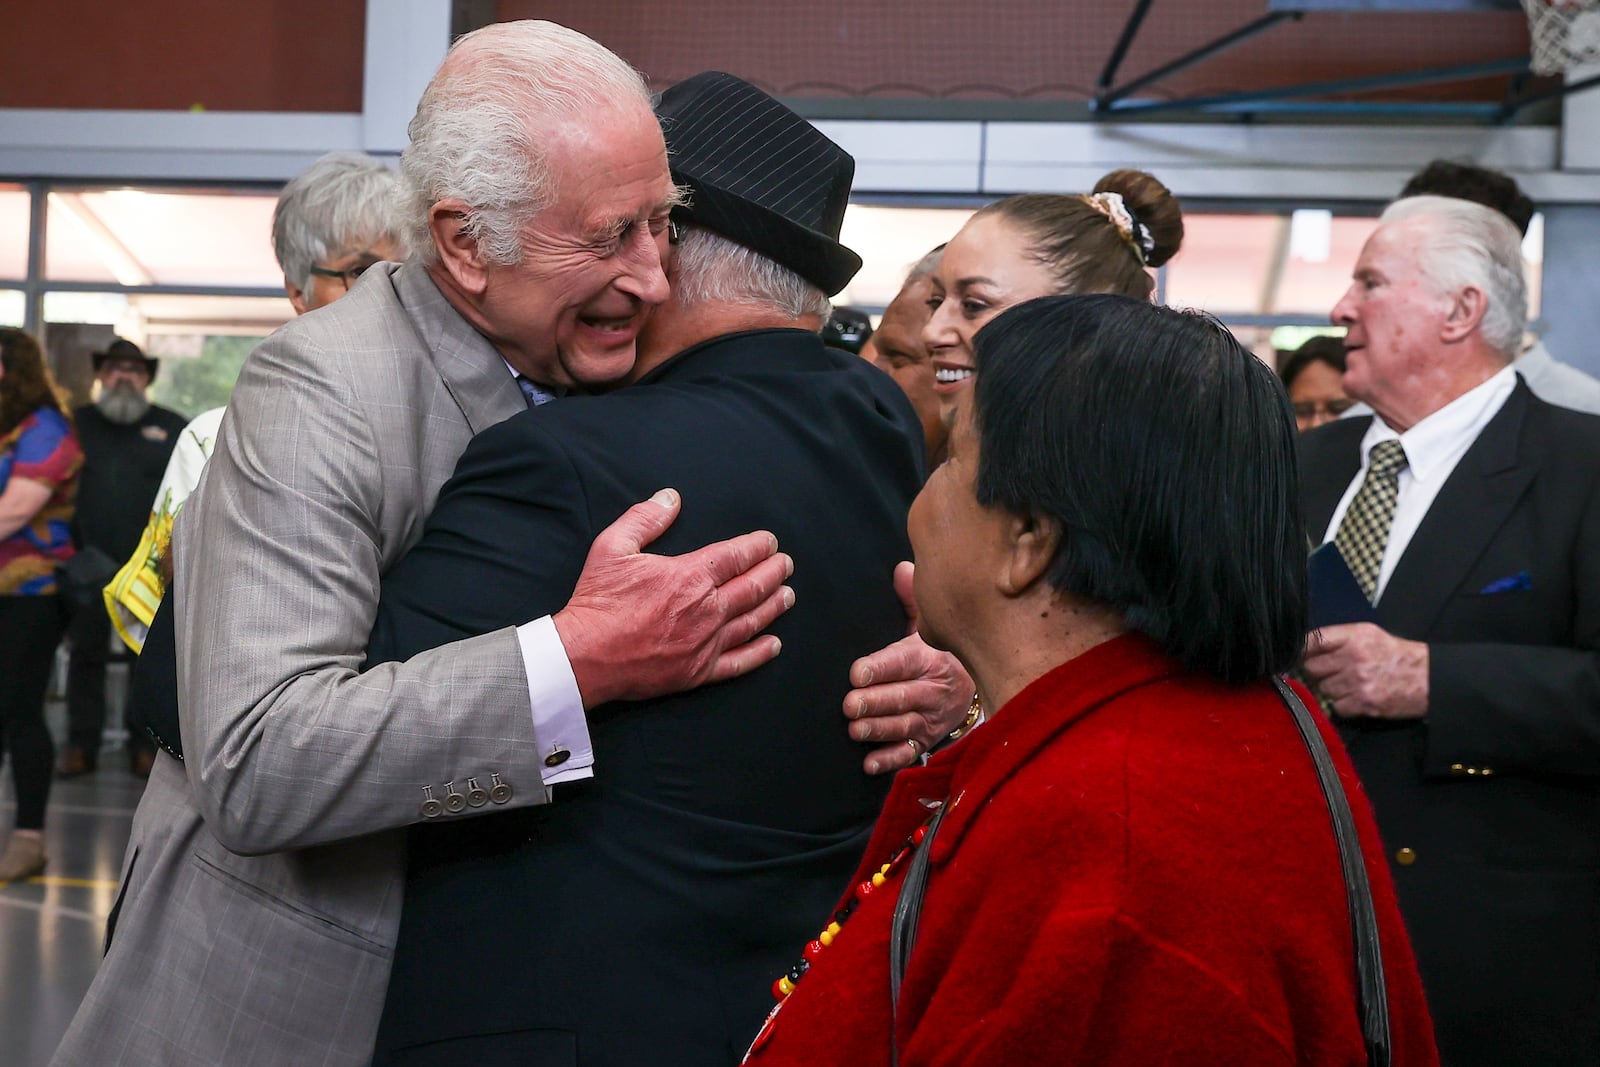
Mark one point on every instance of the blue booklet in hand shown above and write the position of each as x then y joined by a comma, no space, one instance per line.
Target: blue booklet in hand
1336,596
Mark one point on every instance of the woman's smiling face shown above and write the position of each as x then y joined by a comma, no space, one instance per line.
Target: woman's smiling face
985,269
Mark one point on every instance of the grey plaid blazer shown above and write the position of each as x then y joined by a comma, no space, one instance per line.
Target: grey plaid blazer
261,887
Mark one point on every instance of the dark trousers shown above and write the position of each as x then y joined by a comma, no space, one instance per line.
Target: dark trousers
30,629
86,684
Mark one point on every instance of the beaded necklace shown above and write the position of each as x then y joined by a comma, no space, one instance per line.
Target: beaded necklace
786,982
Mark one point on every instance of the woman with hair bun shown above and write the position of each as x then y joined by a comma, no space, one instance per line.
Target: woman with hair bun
1046,244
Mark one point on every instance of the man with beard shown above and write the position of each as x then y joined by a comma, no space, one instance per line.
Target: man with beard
126,442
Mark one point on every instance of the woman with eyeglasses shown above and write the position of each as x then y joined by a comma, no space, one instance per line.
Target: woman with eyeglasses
1135,860
1314,376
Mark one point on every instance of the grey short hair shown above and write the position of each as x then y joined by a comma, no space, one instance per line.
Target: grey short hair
924,266
342,200
1469,244
709,268
475,136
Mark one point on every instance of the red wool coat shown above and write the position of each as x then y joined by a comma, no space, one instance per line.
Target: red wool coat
1137,867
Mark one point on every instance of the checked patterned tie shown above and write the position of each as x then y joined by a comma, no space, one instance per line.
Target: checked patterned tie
1364,533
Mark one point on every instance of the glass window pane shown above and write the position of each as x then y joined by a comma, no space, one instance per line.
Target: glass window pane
13,232
1312,284
890,240
201,340
1222,266
12,306
161,237
198,369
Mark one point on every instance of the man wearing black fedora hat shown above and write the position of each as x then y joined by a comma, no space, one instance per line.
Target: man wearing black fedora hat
126,441
641,917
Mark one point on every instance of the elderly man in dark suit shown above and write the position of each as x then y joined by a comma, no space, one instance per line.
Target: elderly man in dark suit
1468,511
670,894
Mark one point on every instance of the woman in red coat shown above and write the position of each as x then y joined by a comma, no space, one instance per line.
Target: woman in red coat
1136,863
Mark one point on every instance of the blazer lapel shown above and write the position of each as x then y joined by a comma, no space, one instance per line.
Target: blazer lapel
1473,504
474,373
1331,460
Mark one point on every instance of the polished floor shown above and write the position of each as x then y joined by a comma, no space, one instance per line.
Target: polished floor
51,926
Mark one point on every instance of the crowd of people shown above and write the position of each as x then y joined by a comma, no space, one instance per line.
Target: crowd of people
497,661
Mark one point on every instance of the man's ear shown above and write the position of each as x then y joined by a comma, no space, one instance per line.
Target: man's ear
459,253
1031,540
1467,309
297,296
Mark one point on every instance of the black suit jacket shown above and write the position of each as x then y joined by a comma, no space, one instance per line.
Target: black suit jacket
1490,807
643,916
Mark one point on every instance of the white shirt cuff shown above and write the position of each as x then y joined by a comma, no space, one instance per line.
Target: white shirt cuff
559,724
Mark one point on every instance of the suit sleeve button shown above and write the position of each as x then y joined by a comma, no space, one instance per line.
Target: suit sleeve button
477,796
1405,857
1457,768
454,801
431,808
499,792
557,757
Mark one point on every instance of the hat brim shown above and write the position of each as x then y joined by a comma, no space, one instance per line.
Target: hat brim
815,256
151,364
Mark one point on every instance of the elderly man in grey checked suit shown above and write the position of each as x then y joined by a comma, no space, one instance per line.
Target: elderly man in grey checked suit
261,887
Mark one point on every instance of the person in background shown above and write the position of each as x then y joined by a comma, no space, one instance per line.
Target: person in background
1133,860
897,349
1467,690
1313,375
847,328
1551,380
1042,244
39,461
126,443
332,222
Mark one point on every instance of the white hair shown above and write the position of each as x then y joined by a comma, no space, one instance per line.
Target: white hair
1468,244
924,266
476,133
343,200
710,269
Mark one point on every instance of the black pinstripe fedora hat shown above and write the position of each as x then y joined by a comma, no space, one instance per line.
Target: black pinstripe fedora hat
760,175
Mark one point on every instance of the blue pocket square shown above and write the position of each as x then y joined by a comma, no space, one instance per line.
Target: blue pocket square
1516,582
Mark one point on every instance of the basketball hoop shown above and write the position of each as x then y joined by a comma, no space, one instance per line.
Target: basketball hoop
1564,34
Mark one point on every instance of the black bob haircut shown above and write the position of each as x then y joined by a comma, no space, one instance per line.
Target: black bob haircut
1166,453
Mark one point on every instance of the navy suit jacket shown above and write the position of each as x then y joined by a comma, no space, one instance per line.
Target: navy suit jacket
643,916
1490,807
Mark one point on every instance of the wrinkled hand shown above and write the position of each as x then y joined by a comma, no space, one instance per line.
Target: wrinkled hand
907,691
641,625
1362,671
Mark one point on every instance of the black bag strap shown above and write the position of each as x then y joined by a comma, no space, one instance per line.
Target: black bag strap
903,928
1372,998
1372,995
